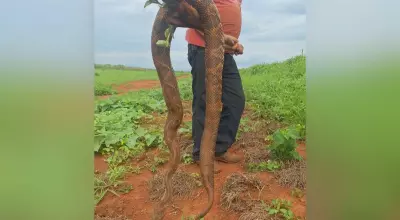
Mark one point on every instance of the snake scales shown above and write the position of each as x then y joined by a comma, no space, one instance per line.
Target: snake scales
202,15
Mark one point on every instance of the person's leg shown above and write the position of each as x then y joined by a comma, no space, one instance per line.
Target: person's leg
233,100
192,53
233,104
196,60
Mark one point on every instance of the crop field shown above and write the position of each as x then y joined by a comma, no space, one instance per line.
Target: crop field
268,184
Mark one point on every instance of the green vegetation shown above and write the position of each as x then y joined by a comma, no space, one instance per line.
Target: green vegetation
101,89
109,76
269,165
277,91
124,128
280,208
111,181
284,144
117,120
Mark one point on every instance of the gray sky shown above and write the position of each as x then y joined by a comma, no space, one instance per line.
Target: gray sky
272,30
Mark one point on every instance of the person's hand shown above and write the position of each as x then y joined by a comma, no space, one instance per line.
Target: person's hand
230,41
232,45
238,49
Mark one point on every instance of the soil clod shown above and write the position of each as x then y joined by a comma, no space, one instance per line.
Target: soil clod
256,155
293,175
235,191
183,185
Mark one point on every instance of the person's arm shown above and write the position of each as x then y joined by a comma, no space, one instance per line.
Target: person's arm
231,44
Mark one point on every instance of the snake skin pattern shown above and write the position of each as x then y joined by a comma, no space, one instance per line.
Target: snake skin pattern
204,16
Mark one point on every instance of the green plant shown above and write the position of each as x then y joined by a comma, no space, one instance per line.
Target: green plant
301,129
121,155
169,32
269,165
244,126
125,188
159,161
187,158
296,192
284,144
111,181
277,91
117,120
281,208
186,128
192,217
101,187
101,89
136,170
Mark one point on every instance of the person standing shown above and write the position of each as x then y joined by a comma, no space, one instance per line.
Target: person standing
233,97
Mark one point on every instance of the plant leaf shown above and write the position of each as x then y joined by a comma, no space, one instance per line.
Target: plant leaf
272,211
131,143
98,140
149,2
162,43
140,131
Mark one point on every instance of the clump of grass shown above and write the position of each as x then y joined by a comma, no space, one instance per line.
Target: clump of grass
97,217
233,198
256,212
112,181
255,155
183,184
186,150
293,175
156,162
101,89
257,160
278,209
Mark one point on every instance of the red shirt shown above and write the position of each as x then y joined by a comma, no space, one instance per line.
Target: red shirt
231,20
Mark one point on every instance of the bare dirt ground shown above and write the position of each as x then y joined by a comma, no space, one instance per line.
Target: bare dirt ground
237,192
138,85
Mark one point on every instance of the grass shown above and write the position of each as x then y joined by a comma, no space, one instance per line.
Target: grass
101,89
106,76
275,94
277,91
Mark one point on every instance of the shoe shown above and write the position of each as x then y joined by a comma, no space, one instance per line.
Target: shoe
217,169
228,158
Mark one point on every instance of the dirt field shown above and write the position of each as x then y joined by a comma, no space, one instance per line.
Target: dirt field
238,192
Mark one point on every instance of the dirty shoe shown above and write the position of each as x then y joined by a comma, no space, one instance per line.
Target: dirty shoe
217,169
228,158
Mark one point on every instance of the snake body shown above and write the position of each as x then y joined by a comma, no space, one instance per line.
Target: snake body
204,16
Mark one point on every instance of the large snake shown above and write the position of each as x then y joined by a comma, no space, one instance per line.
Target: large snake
202,15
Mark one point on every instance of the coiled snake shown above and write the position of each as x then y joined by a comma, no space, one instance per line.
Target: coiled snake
202,15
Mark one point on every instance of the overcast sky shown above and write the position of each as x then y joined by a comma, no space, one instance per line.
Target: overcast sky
272,30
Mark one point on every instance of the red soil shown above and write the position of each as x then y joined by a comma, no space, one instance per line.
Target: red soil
137,205
138,85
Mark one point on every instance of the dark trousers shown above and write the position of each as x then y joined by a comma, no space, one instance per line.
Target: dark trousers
233,100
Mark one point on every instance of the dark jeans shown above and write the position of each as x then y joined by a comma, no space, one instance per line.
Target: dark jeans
233,100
